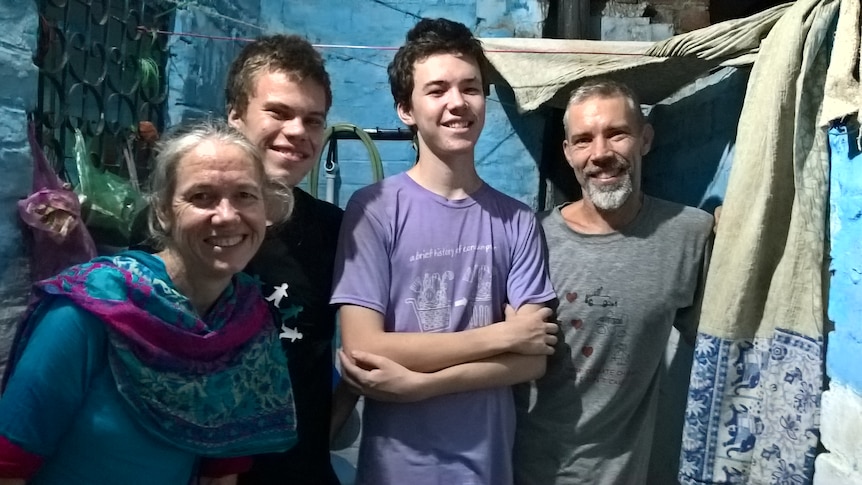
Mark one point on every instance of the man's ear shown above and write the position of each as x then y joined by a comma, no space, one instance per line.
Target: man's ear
405,114
647,137
234,119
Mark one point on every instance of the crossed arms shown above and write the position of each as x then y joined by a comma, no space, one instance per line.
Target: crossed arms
404,366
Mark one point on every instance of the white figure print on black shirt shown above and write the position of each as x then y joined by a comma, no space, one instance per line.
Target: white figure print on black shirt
287,313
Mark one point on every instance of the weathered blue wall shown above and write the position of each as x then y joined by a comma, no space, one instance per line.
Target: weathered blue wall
507,154
18,76
844,359
198,66
509,148
695,133
841,423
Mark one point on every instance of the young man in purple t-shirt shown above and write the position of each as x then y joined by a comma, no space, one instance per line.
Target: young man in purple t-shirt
428,261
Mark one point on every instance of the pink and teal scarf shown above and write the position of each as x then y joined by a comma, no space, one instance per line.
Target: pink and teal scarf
215,385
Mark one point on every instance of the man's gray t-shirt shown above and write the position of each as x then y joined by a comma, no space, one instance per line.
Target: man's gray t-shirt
590,419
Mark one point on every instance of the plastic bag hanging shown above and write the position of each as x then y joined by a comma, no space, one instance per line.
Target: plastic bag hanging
110,203
53,215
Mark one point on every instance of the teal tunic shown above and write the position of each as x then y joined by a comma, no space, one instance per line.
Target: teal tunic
62,403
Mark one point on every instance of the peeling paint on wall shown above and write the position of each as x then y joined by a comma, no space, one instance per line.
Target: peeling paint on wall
841,425
844,353
19,78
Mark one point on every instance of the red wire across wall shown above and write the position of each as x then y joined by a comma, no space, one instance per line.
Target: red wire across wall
369,47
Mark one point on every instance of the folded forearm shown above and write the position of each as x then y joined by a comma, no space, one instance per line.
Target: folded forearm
526,332
501,370
430,352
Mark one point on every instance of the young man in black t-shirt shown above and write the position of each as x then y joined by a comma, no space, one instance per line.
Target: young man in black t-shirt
278,94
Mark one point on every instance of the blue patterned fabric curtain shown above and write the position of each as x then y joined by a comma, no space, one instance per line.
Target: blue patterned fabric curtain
753,409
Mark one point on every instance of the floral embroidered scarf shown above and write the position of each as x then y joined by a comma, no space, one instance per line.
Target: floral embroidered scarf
216,386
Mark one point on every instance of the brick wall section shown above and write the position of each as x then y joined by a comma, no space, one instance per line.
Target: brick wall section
692,19
684,15
19,78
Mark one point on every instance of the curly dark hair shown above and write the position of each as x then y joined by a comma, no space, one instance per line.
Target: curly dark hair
290,54
429,37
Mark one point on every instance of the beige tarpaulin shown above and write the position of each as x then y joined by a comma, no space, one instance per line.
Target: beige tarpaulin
544,70
754,402
843,94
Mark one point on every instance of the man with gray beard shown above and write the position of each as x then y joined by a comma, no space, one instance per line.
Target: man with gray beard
625,267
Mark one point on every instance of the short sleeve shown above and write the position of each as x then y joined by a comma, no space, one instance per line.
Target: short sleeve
50,380
687,319
361,275
528,280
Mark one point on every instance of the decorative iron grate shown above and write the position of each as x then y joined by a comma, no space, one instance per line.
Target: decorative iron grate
101,73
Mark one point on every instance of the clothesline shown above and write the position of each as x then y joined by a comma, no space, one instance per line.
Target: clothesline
370,47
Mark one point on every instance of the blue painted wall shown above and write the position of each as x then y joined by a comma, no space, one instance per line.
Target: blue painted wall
844,358
18,76
841,425
198,66
695,133
509,148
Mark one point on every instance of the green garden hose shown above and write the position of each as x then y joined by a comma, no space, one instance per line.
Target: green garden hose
331,163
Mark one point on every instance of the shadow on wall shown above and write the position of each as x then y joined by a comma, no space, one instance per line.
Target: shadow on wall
695,135
559,182
528,126
530,130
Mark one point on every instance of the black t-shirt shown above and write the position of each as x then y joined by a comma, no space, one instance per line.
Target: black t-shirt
294,266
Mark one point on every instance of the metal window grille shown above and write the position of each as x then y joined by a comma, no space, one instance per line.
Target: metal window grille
101,73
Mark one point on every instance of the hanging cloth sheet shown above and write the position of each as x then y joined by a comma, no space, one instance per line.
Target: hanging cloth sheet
754,402
843,94
545,70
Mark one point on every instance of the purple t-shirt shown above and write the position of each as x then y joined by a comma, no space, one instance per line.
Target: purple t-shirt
429,264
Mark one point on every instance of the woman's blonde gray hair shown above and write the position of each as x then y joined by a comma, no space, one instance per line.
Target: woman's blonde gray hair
278,198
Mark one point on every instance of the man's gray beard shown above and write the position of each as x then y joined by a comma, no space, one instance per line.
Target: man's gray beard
608,198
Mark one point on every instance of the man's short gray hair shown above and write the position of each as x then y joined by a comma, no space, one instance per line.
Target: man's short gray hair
604,88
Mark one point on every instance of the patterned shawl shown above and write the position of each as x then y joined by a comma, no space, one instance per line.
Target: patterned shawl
216,386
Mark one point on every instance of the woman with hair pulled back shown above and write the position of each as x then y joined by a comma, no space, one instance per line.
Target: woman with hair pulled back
157,368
